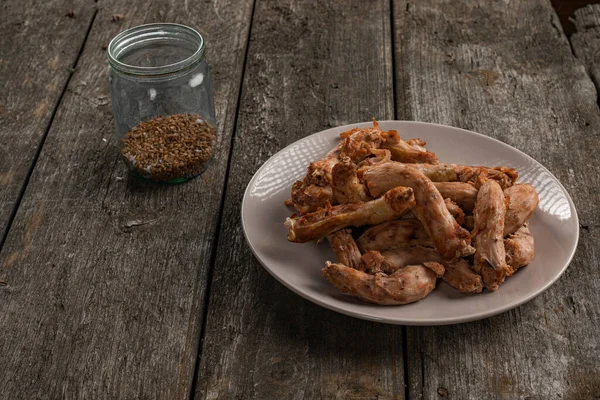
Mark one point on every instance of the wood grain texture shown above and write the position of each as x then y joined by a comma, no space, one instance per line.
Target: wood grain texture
311,65
505,69
586,40
105,274
39,44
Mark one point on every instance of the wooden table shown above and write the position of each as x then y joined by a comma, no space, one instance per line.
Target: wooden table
115,288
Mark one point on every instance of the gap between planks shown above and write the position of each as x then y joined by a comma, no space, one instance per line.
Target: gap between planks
213,255
40,145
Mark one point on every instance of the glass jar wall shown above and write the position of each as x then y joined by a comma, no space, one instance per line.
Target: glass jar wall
163,101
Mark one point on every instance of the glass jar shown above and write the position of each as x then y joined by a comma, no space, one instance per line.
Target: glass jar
163,101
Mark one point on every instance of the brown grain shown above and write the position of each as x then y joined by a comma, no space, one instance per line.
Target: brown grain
169,149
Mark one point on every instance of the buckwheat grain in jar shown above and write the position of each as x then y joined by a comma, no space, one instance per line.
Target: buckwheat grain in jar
163,101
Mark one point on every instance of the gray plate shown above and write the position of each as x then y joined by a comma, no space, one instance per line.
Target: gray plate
554,226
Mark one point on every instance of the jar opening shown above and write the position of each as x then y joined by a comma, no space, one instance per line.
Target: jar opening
155,49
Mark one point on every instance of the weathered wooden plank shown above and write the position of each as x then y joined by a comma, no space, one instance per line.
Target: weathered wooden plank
39,43
586,40
105,275
311,65
505,69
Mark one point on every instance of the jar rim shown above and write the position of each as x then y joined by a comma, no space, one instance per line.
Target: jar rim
149,32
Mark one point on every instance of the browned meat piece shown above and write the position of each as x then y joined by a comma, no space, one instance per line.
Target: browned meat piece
461,277
346,186
345,249
505,176
314,191
463,194
455,173
358,143
319,224
393,234
490,256
522,202
310,198
417,143
456,211
373,261
406,285
379,156
519,248
453,209
449,238
407,152
458,274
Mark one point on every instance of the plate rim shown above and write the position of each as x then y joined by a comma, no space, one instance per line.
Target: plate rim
412,322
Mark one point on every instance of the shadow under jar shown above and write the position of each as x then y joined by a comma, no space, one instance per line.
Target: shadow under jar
163,101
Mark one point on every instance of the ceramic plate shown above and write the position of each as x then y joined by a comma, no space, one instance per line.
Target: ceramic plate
554,226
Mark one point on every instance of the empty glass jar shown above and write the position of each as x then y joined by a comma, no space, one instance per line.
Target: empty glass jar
163,101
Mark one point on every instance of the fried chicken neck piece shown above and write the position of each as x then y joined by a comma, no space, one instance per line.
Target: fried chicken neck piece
406,285
346,186
463,194
458,274
393,234
345,249
404,232
411,151
451,241
519,248
506,177
522,202
307,198
319,224
488,234
455,211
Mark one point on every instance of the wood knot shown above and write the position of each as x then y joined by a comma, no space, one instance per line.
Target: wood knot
137,220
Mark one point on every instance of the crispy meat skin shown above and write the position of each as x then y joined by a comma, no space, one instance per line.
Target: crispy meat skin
519,248
456,211
307,198
449,238
373,261
463,194
522,202
346,186
408,152
406,285
453,173
345,249
458,274
389,235
490,256
379,156
319,224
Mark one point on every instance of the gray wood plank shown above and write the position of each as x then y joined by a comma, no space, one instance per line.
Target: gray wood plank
586,40
505,69
311,65
39,43
105,274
